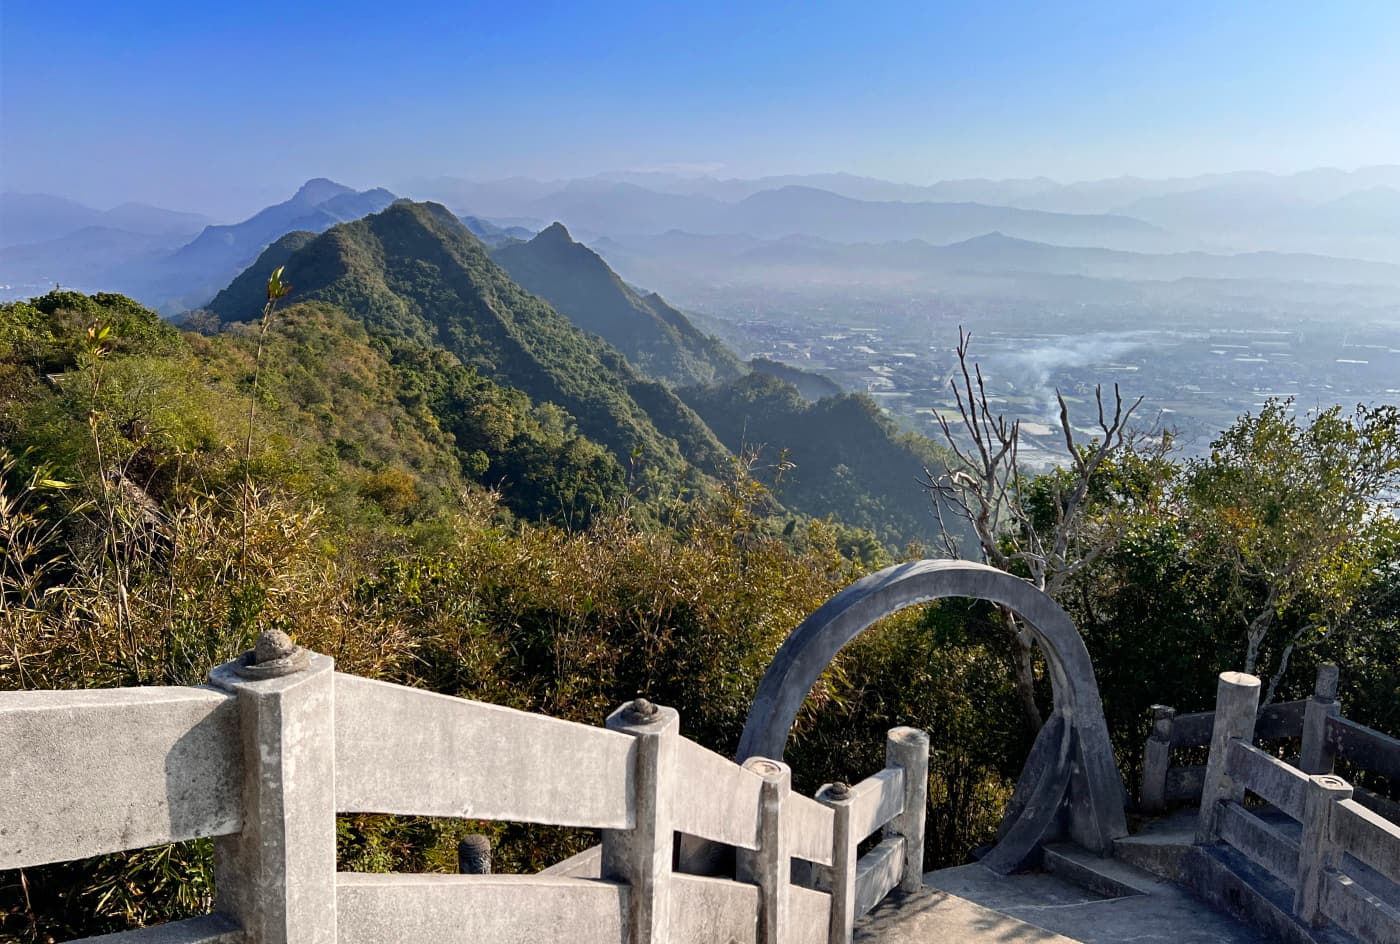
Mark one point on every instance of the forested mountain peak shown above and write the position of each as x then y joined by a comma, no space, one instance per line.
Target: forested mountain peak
414,272
657,338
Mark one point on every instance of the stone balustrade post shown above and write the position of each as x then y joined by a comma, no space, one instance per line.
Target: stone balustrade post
1317,850
641,856
907,749
1315,757
276,876
1157,760
844,843
1236,707
770,866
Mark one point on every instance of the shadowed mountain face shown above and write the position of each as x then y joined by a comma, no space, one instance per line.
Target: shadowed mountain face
415,272
655,337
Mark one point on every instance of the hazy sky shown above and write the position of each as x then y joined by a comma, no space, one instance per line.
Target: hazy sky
222,106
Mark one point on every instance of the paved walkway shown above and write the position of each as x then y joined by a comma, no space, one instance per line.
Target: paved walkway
971,905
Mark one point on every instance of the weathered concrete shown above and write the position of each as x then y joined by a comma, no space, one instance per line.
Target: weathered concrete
401,750
210,929
770,865
933,916
1095,798
1236,704
91,772
1159,914
907,749
1321,850
720,800
641,855
470,909
276,876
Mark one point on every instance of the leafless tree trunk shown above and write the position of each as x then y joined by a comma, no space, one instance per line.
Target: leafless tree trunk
988,489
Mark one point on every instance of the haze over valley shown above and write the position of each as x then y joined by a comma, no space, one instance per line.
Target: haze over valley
1206,295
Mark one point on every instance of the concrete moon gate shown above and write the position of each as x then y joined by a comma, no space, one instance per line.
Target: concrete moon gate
1070,780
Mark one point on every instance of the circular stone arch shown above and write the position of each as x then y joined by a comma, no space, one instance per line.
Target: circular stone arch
1070,780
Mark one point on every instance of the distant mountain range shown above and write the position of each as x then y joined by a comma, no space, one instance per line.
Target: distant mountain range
28,218
143,252
665,231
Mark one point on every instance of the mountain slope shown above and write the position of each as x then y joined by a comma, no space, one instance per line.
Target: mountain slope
848,459
655,337
413,271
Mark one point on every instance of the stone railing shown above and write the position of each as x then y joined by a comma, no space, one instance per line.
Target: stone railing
1316,723
1340,859
279,743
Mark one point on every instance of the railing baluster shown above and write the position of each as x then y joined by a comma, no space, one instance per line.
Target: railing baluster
1315,756
1318,851
641,856
277,876
1157,760
844,844
770,867
1236,706
907,748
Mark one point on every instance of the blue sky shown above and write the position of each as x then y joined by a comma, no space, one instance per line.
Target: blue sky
222,106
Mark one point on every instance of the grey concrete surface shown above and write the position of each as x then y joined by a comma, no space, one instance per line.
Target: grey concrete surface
1162,915
91,772
276,876
1091,784
402,750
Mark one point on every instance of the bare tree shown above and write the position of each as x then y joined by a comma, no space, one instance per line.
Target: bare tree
989,489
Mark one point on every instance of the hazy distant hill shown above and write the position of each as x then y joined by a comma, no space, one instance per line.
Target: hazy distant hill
494,235
657,338
27,218
414,271
219,253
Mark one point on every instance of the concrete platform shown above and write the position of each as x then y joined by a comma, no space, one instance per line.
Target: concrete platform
972,904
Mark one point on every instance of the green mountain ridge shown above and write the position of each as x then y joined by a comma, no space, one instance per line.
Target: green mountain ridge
415,273
653,335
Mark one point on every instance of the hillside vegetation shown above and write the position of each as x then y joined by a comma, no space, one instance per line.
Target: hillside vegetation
368,470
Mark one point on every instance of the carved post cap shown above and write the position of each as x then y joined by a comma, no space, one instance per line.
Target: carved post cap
1162,718
1239,680
474,855
640,711
273,656
1331,783
839,791
764,767
1326,687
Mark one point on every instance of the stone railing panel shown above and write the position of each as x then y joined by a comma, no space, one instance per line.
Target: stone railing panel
875,801
210,929
878,872
719,799
1267,777
1368,836
104,770
1268,848
809,826
468,909
401,750
707,910
1364,746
